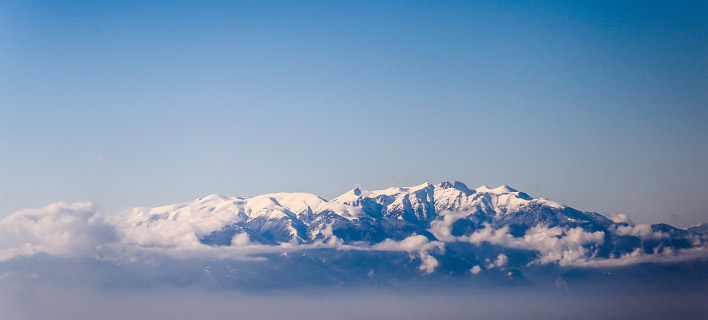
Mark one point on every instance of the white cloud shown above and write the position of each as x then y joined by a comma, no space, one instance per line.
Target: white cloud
415,243
241,239
554,244
171,232
488,234
442,226
412,243
429,263
638,256
58,229
476,269
621,217
501,261
567,247
642,231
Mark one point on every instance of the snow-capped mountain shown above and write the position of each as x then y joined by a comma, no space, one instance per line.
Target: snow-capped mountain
269,219
440,212
428,231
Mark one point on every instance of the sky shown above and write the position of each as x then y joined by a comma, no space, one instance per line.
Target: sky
598,105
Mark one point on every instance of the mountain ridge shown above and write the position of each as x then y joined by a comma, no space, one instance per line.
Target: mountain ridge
443,212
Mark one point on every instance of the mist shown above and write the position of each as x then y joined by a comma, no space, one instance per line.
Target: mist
46,287
46,301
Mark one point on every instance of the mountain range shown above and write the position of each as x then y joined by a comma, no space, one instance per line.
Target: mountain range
444,212
445,232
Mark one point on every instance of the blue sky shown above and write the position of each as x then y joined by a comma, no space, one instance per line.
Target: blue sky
598,105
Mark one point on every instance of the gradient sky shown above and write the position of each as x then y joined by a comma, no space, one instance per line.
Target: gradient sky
599,105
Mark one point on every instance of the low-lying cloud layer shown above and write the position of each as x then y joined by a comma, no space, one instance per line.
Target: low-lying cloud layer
555,245
74,229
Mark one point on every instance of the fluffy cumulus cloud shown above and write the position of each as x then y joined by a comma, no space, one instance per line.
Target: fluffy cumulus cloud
642,231
429,263
577,247
442,227
410,244
476,270
240,239
555,245
167,233
58,229
418,244
501,261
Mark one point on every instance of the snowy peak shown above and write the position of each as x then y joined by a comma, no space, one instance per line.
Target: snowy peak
504,191
456,185
498,190
357,215
403,190
422,186
360,192
213,197
353,195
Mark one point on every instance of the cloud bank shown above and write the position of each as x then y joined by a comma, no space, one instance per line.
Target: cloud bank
555,245
58,229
